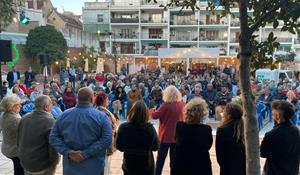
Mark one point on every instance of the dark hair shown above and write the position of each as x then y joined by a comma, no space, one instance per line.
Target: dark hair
235,114
286,109
138,113
100,98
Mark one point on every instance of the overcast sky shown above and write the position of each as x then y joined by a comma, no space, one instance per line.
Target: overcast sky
69,5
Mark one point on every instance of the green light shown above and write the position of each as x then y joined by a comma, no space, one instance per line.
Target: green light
16,58
25,20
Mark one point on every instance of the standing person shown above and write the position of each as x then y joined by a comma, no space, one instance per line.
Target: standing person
72,75
118,101
230,147
281,146
36,154
193,141
169,113
12,77
69,98
10,121
133,95
124,69
29,77
82,135
222,98
209,96
80,74
63,76
137,138
102,102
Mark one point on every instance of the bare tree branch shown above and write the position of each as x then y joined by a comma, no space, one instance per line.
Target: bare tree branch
264,17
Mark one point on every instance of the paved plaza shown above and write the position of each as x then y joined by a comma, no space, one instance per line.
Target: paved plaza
6,166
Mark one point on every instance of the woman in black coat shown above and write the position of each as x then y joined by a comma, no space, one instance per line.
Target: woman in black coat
230,148
193,141
137,139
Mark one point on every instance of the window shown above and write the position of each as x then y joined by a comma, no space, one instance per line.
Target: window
30,4
100,18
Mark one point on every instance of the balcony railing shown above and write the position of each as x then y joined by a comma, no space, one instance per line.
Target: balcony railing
234,40
118,35
124,20
159,2
190,22
212,22
281,40
212,38
120,51
235,23
183,38
144,20
154,36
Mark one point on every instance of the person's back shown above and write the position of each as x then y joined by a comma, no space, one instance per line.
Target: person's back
34,150
230,151
32,143
82,135
281,147
137,142
193,142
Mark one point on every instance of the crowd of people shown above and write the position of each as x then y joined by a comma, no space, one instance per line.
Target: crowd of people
78,117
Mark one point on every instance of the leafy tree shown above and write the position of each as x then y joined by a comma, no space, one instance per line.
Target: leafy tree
253,52
8,11
46,39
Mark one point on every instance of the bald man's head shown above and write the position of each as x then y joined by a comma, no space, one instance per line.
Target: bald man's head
85,95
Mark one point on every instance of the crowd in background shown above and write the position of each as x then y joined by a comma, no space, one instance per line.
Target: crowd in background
86,138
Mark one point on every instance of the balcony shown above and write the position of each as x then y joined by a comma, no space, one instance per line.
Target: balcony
120,35
159,2
235,23
212,22
183,38
281,40
124,51
188,22
234,40
149,20
124,20
147,35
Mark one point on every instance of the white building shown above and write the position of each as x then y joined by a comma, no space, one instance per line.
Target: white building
137,28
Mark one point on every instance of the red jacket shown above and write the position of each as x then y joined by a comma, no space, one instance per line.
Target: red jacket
168,114
23,87
69,99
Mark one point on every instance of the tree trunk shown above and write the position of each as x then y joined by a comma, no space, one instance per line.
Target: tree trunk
250,118
116,66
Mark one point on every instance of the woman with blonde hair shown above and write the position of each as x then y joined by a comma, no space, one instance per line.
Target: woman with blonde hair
137,138
193,141
10,120
169,113
230,147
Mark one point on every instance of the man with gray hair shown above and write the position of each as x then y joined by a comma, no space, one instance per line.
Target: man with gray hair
37,156
82,135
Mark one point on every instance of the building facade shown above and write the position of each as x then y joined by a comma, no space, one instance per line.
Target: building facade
138,28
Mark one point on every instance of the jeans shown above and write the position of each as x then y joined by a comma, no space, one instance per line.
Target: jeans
18,169
162,154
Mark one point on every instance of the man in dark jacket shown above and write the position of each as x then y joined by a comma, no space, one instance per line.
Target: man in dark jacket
222,98
281,146
209,96
37,156
12,77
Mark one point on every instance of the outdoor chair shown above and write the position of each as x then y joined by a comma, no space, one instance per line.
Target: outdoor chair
260,108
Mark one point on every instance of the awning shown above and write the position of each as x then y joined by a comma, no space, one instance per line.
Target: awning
188,52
